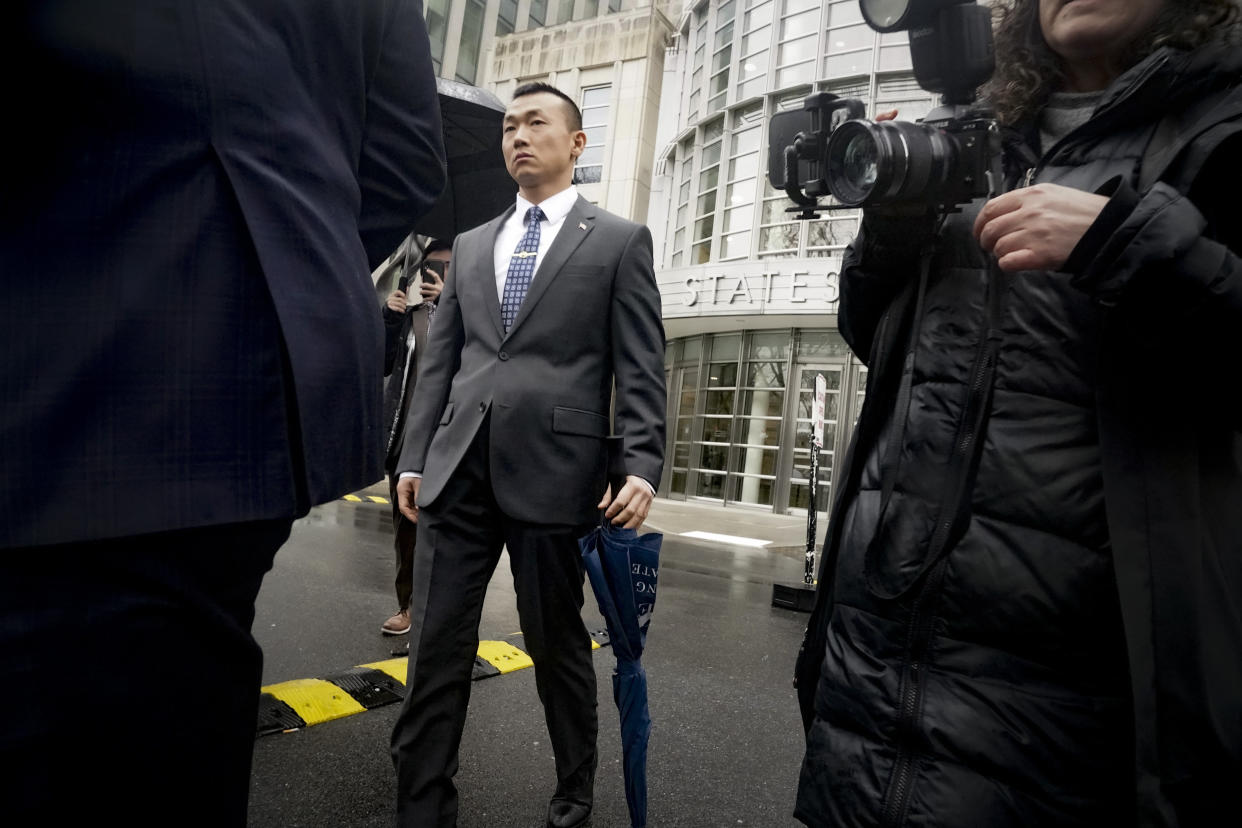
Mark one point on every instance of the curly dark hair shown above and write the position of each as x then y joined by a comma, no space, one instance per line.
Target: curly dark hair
1032,71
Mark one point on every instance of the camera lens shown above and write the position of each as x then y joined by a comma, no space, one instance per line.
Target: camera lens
888,162
858,164
858,160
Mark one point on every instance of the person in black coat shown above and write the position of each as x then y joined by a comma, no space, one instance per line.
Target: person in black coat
1030,611
199,194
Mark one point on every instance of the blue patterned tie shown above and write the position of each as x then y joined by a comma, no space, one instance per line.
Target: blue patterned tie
521,269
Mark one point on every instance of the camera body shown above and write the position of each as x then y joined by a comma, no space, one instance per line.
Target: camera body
948,159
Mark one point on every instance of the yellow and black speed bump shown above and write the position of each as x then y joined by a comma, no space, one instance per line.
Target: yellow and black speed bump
353,498
291,705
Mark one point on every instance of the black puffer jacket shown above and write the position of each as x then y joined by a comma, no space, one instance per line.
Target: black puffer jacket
1031,599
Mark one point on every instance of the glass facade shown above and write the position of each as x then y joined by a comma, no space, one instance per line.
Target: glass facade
437,30
506,17
471,44
742,396
538,14
745,61
740,415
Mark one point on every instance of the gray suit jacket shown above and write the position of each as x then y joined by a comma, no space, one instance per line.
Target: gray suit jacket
592,316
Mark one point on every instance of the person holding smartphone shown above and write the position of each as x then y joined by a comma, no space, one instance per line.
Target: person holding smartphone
406,325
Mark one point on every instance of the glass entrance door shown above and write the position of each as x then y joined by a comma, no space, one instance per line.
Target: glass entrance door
685,385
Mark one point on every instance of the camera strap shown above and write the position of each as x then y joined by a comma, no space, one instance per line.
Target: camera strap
953,512
901,409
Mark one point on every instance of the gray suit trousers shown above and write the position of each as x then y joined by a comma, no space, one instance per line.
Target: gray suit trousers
460,540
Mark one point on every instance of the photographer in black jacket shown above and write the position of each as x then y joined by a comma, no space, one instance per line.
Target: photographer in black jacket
1030,611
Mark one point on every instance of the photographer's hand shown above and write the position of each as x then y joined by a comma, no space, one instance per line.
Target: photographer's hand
1036,227
396,302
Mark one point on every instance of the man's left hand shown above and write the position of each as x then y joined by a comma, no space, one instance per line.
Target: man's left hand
1036,227
630,507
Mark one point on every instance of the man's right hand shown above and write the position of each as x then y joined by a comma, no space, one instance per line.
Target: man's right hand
396,302
407,494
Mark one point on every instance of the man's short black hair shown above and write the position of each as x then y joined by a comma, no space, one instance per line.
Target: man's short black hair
535,87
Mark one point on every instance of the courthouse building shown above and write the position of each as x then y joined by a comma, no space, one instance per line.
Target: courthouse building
676,99
750,294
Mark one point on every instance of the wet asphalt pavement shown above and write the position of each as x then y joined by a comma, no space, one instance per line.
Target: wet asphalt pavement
726,740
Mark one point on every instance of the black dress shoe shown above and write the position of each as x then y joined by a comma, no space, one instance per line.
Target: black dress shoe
566,813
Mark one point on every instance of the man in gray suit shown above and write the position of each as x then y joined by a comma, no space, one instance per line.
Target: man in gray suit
545,307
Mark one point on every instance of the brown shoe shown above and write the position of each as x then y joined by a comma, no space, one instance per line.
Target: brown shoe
399,624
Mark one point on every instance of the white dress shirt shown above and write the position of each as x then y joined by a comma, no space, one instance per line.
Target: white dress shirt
555,208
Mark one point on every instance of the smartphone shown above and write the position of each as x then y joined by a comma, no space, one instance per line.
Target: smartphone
437,267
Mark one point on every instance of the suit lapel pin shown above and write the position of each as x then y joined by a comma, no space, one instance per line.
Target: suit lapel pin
582,225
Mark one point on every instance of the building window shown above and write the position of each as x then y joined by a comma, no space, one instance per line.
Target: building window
696,74
471,41
506,17
752,67
685,165
590,8
742,180
797,50
565,11
595,102
709,179
850,41
538,13
722,57
437,28
614,6
895,53
904,95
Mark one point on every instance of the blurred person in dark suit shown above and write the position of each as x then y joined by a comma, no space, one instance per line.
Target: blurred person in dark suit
406,328
218,180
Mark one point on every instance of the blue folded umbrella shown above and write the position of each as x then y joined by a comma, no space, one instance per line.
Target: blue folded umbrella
622,566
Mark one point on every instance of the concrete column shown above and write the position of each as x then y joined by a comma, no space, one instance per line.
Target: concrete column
754,436
490,13
452,42
523,16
